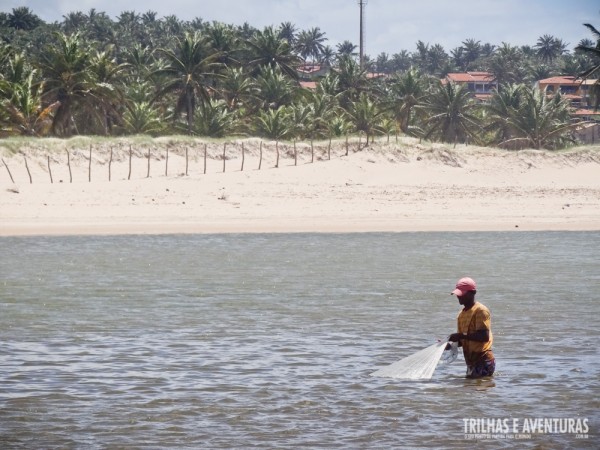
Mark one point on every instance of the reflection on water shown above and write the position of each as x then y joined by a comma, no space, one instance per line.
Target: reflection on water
268,340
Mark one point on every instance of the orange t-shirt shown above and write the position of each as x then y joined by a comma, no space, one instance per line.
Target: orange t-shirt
469,321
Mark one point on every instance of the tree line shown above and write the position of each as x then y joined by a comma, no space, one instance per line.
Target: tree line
141,74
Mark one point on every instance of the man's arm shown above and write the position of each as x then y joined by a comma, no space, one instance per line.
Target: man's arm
479,336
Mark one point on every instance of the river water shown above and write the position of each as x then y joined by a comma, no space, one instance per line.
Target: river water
267,340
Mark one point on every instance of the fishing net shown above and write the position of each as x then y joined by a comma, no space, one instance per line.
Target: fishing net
451,354
419,366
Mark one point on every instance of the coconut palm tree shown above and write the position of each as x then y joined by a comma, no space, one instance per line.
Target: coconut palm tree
471,53
235,87
346,49
594,70
351,80
365,115
507,64
214,119
540,122
327,56
223,40
502,106
68,79
23,18
107,93
287,31
310,43
266,48
23,107
274,123
450,111
404,94
189,74
548,48
273,88
142,117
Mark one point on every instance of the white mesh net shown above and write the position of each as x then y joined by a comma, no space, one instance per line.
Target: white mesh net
419,366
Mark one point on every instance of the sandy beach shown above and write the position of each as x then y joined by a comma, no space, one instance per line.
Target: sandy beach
399,186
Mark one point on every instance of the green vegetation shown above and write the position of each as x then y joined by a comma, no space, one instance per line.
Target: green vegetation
90,75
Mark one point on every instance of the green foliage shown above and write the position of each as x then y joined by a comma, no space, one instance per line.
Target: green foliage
140,73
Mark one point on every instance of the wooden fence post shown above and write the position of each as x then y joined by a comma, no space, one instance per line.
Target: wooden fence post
295,154
110,163
260,158
224,148
90,166
149,155
27,167
49,171
130,154
329,149
167,162
8,170
277,149
243,157
186,161
312,152
205,151
346,145
69,165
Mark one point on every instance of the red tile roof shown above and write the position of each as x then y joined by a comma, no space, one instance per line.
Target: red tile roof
309,68
308,84
586,112
471,77
564,80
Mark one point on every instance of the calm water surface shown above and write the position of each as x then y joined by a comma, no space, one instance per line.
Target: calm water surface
267,341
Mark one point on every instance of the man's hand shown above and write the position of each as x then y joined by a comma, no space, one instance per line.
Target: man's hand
454,337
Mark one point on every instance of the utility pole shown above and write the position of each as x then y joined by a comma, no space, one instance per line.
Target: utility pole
362,4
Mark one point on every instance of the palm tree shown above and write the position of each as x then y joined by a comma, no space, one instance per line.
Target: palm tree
287,31
66,70
327,56
405,93
142,114
502,106
215,120
142,118
106,92
471,53
274,123
346,49
324,107
450,113
594,70
310,43
540,122
507,64
365,115
223,40
189,73
22,18
400,61
351,80
24,109
235,87
266,48
273,88
548,48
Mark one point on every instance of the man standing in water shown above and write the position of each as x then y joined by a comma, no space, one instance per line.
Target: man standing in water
474,331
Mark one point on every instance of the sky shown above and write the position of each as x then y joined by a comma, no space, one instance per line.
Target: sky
390,25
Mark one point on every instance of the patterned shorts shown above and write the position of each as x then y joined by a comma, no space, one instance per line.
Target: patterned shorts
484,368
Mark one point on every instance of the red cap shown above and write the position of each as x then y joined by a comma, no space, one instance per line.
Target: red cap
463,286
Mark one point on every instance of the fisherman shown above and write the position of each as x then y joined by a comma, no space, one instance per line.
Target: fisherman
474,331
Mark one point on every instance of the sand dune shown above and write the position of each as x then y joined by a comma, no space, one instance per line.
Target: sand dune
400,186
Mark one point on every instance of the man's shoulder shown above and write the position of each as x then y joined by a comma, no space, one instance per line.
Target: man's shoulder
481,307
